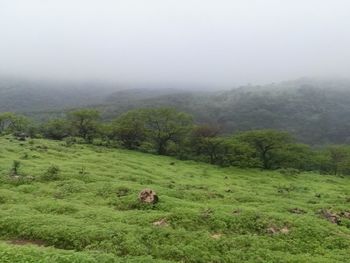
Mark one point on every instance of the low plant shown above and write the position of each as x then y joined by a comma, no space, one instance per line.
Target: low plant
15,167
52,173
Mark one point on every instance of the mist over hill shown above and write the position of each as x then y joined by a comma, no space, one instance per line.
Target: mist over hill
315,111
32,97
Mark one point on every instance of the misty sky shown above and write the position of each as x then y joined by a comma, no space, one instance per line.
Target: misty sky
202,42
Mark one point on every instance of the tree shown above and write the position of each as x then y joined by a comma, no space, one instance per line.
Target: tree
84,123
164,125
296,155
129,129
266,143
5,121
338,158
13,123
204,142
56,129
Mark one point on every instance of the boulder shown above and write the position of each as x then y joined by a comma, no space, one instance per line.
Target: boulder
148,196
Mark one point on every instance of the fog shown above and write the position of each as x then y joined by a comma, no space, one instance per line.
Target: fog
199,42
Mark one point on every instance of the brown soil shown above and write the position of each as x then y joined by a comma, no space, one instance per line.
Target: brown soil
161,222
22,242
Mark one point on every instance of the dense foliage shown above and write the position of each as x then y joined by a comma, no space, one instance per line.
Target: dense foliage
166,131
313,111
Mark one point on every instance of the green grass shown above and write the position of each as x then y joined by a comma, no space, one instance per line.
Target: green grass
90,213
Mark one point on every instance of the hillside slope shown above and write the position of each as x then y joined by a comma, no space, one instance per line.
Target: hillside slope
90,213
315,112
43,99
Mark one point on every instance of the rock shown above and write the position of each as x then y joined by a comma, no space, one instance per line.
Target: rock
161,222
331,217
148,196
276,230
345,214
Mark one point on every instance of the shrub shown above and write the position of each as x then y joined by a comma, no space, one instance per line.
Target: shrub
15,167
25,156
51,174
69,141
122,191
82,171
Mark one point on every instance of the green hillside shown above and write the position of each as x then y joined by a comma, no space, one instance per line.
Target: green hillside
88,209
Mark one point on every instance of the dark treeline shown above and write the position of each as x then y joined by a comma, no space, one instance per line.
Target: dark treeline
315,112
166,131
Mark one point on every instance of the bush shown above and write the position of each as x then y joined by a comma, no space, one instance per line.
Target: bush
51,174
69,141
15,167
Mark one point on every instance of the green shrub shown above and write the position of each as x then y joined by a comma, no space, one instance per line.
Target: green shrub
51,174
69,141
15,167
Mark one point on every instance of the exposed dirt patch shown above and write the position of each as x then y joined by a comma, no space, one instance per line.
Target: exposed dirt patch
345,214
22,242
161,223
334,217
274,230
216,236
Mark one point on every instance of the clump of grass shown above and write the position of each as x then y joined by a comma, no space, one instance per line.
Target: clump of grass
69,141
122,191
16,165
285,189
289,171
52,173
83,171
25,156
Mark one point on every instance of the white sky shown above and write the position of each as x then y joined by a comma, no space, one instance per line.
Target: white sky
206,42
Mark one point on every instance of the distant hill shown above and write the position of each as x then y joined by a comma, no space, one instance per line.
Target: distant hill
41,98
315,111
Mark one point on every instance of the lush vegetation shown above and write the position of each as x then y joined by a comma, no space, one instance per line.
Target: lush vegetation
66,202
165,131
247,175
313,111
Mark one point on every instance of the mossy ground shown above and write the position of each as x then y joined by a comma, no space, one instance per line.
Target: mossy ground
211,214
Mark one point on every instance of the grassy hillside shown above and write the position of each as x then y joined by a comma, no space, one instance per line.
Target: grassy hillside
205,213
